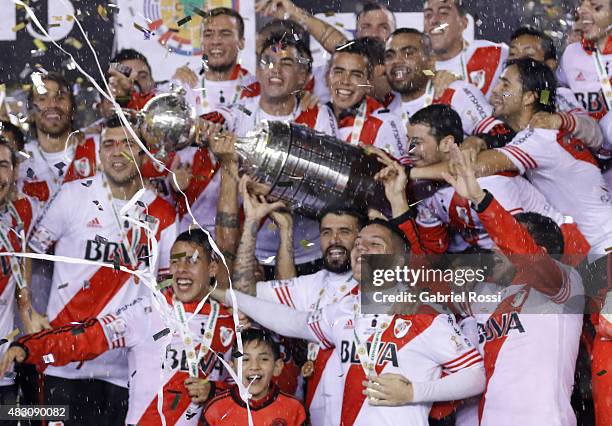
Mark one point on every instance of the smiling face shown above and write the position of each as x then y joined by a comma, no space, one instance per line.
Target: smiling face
7,174
595,18
348,79
53,109
337,236
444,24
507,95
259,368
191,273
405,62
221,42
375,23
424,148
143,74
372,239
280,72
120,156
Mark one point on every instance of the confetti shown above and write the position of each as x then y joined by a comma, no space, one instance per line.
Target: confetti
20,26
77,330
178,255
429,73
103,12
59,287
164,284
48,359
183,21
269,259
113,6
339,24
602,372
24,154
236,354
127,156
58,18
55,25
545,96
71,41
39,44
87,183
161,334
200,12
306,244
194,256
344,46
330,13
245,110
147,310
86,284
97,203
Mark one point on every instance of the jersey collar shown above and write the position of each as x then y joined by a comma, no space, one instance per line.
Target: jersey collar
270,397
589,46
189,306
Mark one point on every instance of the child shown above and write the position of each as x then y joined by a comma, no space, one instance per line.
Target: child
268,405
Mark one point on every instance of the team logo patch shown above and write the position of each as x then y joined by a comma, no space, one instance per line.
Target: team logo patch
462,213
519,298
227,336
82,167
401,328
478,78
349,324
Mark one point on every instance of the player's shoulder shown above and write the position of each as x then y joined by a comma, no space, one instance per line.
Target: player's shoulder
218,402
161,209
573,51
482,45
290,402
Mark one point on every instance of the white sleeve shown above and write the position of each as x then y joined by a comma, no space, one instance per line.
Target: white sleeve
130,324
561,75
274,316
449,347
54,220
532,149
505,191
463,384
291,292
572,288
392,136
471,105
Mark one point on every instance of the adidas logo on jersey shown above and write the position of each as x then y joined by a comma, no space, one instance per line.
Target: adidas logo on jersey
349,324
580,77
94,223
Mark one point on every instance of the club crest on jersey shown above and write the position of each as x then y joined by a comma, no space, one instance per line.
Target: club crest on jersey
462,213
478,78
82,167
519,298
402,327
227,336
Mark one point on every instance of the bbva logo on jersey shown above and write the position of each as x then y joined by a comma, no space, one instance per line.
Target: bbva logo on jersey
497,328
108,251
388,353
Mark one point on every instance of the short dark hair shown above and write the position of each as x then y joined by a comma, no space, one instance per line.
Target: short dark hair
547,44
375,49
395,231
442,120
260,336
538,78
198,237
356,47
370,6
284,41
7,126
219,11
543,230
344,210
61,81
286,27
4,142
130,55
425,39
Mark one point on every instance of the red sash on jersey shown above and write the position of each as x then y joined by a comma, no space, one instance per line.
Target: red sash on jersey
24,210
485,59
371,124
106,282
353,397
84,163
315,379
575,147
492,348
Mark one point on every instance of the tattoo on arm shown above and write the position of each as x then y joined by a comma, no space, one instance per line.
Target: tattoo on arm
227,220
246,263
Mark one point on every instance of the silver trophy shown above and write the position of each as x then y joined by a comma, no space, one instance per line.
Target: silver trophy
168,122
311,170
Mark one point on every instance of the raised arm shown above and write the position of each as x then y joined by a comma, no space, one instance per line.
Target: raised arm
285,264
328,36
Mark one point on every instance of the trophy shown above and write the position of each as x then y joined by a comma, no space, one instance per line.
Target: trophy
168,122
311,171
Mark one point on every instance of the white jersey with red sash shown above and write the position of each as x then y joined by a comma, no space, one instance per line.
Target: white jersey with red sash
156,353
43,173
82,222
370,123
309,293
480,63
419,347
464,98
530,337
15,224
211,95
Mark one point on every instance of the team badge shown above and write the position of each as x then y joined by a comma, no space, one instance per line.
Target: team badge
82,167
227,335
519,298
402,327
478,78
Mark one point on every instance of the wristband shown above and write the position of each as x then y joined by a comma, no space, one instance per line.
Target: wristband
482,206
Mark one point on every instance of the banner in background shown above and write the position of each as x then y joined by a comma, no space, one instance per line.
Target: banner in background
168,45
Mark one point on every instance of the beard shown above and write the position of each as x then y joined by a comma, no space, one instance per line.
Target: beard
222,68
54,132
124,181
337,266
408,86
